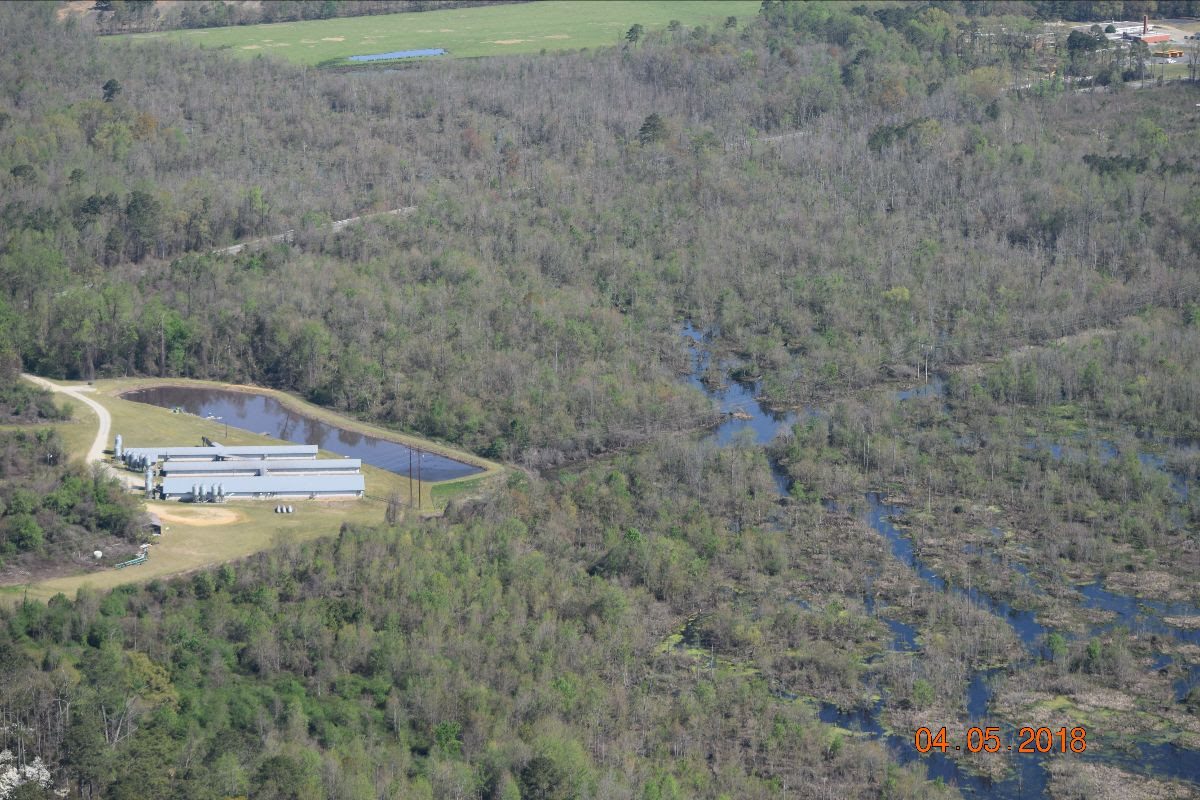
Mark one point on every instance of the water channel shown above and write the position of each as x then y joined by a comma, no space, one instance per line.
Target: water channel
399,54
1028,776
266,415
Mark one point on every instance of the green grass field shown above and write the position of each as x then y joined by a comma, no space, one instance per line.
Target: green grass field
187,547
464,33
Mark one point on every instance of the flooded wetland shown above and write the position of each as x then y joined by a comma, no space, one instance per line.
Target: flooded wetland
1045,621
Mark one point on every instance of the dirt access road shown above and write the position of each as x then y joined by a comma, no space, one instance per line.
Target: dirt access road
290,235
96,452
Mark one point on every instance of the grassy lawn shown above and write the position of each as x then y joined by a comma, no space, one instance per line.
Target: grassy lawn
1174,71
185,547
1191,26
489,31
206,535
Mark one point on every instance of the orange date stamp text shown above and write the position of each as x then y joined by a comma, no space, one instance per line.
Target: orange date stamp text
988,740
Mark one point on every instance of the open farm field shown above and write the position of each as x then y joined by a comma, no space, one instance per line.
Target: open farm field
124,411
1187,25
199,536
463,33
142,425
192,542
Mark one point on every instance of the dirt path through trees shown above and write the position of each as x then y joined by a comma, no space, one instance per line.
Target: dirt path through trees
96,451
290,234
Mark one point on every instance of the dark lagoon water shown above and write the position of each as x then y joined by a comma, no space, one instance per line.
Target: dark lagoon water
880,516
263,414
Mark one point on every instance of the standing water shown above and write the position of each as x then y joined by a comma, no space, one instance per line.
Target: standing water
264,414
1028,777
738,402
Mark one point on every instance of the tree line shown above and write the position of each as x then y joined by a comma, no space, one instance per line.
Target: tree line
528,309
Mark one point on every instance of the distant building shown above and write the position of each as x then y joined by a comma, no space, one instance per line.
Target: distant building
1152,38
216,472
1125,27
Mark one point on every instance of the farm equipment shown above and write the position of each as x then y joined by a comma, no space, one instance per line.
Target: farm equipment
140,558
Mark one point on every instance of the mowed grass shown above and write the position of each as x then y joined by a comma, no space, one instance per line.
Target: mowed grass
187,547
184,548
464,33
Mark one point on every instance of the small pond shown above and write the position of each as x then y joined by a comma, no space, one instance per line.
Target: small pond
264,414
436,51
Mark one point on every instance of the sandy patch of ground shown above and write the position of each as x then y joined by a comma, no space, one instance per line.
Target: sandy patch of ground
197,516
445,30
557,36
508,41
333,39
251,47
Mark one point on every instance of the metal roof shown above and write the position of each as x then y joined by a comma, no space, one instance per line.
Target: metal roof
268,484
255,466
217,451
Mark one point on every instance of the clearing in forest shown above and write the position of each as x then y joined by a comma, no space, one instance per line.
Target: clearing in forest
200,536
462,32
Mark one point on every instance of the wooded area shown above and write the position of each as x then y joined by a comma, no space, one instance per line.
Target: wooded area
527,309
843,198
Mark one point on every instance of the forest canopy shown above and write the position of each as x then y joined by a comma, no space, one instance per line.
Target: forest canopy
832,198
528,307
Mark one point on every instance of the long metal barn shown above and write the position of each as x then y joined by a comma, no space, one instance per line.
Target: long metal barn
275,466
216,472
216,452
262,486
